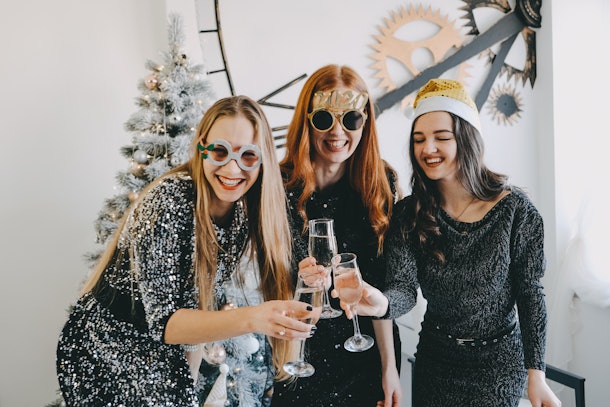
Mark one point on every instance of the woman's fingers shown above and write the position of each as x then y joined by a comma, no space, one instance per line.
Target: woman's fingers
344,306
291,320
313,274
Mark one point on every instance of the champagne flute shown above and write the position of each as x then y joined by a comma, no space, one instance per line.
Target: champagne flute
323,246
313,297
348,283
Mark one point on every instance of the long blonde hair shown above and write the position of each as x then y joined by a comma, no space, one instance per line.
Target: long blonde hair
266,206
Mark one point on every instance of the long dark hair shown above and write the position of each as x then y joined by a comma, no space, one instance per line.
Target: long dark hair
474,175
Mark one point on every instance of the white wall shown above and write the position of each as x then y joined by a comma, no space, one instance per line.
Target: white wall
294,38
69,72
580,84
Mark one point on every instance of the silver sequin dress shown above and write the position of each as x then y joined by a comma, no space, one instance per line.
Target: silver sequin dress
111,351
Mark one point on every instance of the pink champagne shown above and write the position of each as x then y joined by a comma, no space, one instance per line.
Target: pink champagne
349,286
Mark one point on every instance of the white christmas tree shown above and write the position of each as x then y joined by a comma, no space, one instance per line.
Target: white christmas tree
174,97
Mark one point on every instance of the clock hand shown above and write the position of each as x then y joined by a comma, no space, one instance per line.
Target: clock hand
496,65
263,100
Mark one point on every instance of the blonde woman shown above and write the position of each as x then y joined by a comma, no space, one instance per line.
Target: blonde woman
191,301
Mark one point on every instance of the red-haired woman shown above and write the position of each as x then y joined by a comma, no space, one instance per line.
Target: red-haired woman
333,169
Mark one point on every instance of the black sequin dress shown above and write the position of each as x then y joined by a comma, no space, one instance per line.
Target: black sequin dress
342,378
485,322
111,351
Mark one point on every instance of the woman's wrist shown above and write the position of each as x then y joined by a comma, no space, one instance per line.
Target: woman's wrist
384,308
535,375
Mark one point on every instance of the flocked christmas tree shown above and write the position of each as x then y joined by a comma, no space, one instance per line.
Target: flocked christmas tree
174,97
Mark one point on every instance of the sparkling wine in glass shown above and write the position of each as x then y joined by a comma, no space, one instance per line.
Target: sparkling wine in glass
312,296
348,283
323,246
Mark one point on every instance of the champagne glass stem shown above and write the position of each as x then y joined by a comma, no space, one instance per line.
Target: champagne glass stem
327,310
301,356
357,333
326,300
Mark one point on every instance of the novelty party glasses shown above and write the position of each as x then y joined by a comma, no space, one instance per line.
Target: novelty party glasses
324,120
220,152
347,105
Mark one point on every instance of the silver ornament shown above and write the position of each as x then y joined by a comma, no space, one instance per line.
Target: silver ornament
214,353
140,156
251,344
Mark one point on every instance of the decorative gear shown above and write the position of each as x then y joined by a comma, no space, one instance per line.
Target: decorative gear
529,38
529,69
505,105
389,46
502,5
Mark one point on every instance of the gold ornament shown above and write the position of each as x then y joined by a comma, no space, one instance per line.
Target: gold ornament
137,169
151,81
133,195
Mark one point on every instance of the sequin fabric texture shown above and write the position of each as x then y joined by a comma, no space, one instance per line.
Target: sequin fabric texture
342,378
105,359
493,271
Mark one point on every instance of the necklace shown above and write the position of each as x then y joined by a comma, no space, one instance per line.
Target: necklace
464,210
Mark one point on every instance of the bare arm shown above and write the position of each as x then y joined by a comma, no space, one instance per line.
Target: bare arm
390,379
271,318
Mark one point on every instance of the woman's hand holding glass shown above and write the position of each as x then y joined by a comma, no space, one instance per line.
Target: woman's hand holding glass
349,285
276,318
314,274
323,246
313,296
372,304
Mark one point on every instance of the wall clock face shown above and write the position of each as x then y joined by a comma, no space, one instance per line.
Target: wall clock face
271,45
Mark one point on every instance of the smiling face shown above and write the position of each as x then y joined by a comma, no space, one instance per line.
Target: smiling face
229,182
336,145
435,146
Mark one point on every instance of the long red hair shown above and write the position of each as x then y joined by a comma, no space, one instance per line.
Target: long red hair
366,169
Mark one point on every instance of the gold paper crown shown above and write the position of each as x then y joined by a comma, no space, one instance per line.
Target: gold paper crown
337,99
447,95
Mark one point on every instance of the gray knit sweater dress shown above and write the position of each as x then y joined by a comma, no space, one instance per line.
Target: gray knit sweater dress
485,321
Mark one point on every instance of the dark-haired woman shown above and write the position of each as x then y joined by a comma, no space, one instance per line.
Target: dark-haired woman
474,244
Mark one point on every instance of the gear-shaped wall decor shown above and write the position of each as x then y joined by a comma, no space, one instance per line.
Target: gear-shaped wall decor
471,5
505,105
450,47
520,20
389,46
529,38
